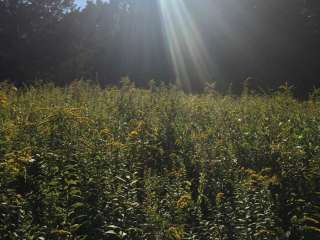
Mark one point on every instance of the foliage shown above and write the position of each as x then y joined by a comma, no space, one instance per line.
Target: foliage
125,163
263,43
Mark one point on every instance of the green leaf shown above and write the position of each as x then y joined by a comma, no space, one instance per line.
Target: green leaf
77,205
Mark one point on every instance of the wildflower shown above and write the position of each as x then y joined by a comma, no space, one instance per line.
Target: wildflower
256,177
61,233
105,132
275,147
176,232
72,112
115,144
178,142
26,157
16,162
274,180
3,100
219,197
184,201
250,171
133,134
177,173
155,131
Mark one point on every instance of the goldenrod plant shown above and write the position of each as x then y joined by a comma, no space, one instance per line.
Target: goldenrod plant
83,162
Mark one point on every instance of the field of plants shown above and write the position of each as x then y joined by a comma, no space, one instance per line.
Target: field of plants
124,163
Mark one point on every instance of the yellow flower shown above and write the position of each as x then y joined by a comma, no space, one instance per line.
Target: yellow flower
16,162
175,232
115,144
72,112
274,180
184,201
219,197
3,99
256,177
275,147
26,158
250,172
105,132
155,130
177,173
133,134
178,142
61,233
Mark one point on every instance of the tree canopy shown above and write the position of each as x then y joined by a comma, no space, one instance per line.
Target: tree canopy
268,42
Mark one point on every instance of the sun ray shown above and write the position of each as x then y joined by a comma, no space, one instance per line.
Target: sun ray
187,48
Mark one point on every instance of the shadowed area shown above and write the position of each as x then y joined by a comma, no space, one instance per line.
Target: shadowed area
185,42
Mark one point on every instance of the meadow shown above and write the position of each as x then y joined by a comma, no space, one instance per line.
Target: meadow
83,162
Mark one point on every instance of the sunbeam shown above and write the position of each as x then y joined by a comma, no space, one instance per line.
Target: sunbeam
185,42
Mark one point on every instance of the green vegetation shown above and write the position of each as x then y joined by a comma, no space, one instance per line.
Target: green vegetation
87,163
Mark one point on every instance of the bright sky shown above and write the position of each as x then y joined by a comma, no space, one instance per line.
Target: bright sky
81,3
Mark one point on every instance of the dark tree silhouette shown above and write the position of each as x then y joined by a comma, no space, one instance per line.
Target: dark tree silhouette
271,42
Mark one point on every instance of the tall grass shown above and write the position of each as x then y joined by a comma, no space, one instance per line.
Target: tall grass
124,163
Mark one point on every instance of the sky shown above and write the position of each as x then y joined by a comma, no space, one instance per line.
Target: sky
81,3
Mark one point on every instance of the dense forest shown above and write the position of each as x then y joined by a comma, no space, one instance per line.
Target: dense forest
266,43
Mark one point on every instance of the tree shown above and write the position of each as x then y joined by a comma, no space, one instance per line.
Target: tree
27,29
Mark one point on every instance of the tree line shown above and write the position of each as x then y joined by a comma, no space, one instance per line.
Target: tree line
266,43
